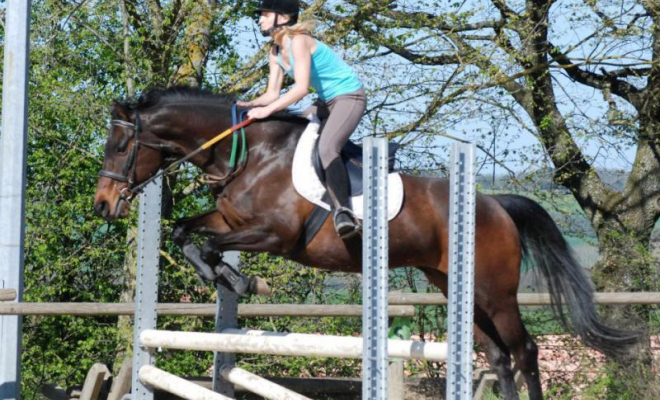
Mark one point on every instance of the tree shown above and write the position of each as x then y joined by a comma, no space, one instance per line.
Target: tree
572,73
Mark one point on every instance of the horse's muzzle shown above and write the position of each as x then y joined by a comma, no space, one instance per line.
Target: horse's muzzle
102,209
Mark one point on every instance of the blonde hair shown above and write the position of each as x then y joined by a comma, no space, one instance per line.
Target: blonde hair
301,28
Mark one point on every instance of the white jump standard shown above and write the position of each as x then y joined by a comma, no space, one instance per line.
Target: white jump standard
13,144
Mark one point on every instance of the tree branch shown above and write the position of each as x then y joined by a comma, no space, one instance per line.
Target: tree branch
620,88
156,14
136,18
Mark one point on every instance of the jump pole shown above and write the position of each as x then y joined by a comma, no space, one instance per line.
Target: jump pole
287,344
375,252
13,139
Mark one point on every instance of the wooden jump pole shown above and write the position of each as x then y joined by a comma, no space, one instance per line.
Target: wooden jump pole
159,379
287,344
258,385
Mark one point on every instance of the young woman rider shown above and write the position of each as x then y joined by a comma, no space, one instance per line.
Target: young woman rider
312,63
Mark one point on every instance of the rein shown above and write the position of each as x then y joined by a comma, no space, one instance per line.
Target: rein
129,192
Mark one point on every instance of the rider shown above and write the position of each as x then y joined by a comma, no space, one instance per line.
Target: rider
340,93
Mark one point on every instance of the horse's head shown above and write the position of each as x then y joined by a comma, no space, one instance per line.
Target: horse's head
130,159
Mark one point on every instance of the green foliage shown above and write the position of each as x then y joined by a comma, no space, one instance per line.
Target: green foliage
541,321
78,67
630,380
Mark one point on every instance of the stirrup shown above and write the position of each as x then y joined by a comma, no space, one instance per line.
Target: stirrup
346,229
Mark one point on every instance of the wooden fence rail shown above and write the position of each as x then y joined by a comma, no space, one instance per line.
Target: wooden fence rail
401,305
530,299
198,310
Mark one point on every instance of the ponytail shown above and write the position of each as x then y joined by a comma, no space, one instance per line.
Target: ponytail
301,28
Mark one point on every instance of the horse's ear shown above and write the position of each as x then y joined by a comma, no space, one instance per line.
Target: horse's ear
119,111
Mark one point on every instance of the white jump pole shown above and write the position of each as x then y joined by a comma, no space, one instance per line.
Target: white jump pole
258,385
159,379
287,344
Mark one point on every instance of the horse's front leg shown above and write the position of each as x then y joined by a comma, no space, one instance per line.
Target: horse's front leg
210,222
254,237
210,266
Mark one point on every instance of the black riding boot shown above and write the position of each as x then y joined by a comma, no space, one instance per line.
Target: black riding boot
336,181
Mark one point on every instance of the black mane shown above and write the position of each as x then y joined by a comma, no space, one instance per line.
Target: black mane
182,94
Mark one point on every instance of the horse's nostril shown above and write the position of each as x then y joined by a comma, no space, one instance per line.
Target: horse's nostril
101,209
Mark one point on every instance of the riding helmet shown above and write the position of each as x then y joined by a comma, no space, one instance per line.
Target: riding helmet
284,7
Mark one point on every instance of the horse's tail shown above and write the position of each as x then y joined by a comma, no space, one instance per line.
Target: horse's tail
569,286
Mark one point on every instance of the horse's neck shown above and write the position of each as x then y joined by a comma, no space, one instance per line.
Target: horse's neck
264,143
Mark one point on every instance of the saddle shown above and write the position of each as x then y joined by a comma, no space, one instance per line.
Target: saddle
351,155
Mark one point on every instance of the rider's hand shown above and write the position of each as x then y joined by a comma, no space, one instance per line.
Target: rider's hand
259,113
244,103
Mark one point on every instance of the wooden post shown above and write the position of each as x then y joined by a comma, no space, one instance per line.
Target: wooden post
7,294
96,376
395,381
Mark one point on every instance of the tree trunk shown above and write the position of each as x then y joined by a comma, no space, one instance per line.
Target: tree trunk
125,323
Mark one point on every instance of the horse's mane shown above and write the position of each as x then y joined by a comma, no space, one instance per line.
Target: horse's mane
180,94
183,94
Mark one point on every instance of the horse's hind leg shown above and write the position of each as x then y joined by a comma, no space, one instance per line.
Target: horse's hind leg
497,353
513,334
501,334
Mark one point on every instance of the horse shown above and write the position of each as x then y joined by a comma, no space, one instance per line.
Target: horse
259,210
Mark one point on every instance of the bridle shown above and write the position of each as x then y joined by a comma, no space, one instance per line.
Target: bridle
129,172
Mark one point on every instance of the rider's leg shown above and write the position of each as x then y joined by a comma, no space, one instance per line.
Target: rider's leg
345,114
336,180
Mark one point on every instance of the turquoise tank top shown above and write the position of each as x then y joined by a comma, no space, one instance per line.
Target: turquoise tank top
330,76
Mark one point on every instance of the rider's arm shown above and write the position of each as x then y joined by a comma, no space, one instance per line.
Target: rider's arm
275,81
302,57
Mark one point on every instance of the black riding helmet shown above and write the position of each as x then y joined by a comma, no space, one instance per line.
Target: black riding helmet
283,7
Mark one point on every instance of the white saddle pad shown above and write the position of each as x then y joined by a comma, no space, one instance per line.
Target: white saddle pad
308,185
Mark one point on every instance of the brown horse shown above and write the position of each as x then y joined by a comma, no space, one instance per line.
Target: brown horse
258,210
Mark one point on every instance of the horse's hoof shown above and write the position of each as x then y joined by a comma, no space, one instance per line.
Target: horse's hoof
259,286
